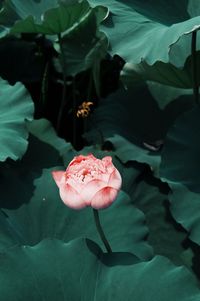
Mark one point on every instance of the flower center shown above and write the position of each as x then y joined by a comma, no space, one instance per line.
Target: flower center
85,171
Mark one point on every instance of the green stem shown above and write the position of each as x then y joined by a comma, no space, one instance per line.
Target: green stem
88,98
100,231
64,85
194,67
44,86
74,112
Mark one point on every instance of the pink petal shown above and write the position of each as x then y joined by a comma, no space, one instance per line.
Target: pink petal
104,177
108,164
104,198
58,176
78,159
71,197
107,159
75,184
115,179
91,188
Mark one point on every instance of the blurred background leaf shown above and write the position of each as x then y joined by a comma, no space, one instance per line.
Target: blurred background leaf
180,159
185,207
85,46
16,107
135,115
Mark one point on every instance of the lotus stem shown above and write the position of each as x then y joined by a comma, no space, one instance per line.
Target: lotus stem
44,86
194,67
64,84
74,110
101,232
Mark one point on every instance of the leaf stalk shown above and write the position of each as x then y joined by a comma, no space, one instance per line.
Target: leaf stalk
100,231
194,67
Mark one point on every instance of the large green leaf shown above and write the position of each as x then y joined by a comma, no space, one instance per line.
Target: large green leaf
127,151
44,151
46,216
163,23
185,208
163,73
165,236
180,158
9,235
85,47
13,10
164,95
65,17
16,106
152,35
180,168
49,18
53,270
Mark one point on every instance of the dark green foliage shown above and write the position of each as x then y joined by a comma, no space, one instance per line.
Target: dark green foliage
182,145
16,108
55,56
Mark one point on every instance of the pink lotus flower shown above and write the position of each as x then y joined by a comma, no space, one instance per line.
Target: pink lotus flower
88,181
